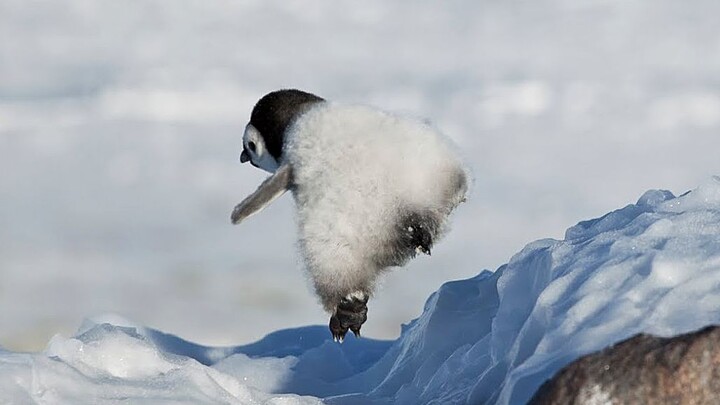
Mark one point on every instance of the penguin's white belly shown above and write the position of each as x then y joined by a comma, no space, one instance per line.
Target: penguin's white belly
355,170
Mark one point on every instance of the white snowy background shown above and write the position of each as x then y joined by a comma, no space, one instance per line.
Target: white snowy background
120,128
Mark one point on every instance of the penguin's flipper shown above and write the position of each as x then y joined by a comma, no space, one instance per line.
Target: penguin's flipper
270,189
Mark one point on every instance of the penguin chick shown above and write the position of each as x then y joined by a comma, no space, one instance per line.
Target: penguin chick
371,189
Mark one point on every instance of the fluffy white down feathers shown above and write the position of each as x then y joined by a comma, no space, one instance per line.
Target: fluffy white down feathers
355,170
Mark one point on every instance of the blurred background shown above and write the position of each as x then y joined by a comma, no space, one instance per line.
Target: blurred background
121,125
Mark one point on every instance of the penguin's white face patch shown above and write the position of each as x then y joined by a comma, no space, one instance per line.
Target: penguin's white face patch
254,145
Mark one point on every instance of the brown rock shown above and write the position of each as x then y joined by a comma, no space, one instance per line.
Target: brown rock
644,369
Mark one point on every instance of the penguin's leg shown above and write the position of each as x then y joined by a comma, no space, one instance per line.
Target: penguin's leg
349,314
418,230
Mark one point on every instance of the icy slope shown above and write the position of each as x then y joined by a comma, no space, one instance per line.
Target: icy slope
649,267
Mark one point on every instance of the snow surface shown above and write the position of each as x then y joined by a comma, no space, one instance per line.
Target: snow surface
121,126
653,266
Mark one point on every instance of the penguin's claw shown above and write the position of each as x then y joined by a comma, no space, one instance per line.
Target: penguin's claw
350,314
337,329
419,234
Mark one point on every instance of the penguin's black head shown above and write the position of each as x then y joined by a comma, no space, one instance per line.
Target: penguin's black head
265,133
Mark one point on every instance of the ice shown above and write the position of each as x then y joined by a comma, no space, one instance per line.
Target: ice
110,351
651,267
108,364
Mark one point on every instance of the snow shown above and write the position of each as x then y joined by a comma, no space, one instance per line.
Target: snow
120,130
652,267
121,126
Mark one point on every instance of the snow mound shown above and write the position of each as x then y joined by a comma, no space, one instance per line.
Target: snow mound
653,267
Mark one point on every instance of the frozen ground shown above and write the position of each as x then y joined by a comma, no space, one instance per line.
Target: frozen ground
120,129
653,266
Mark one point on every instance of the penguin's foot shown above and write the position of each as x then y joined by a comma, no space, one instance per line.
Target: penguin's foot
350,314
419,235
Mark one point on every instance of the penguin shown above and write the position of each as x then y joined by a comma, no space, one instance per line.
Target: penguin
372,189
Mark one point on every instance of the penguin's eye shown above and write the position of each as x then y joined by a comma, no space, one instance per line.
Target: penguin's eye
251,145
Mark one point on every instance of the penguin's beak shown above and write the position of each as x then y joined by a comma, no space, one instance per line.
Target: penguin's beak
244,157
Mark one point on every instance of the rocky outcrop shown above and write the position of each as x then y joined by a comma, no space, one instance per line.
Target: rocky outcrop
644,369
